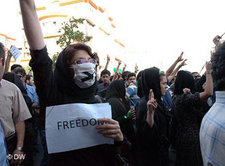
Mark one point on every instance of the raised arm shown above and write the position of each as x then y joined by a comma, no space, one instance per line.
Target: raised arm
171,68
173,74
208,91
117,69
107,63
7,62
216,40
136,69
31,25
124,68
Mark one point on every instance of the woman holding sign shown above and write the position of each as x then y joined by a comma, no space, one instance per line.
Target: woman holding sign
153,120
73,81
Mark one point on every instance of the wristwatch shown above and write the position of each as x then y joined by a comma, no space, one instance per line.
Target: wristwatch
19,148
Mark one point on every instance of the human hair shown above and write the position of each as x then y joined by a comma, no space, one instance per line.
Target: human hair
21,71
96,57
2,53
28,77
14,66
139,74
131,75
105,71
71,50
125,74
218,68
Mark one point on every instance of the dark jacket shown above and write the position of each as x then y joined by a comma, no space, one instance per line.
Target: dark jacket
59,88
153,143
116,97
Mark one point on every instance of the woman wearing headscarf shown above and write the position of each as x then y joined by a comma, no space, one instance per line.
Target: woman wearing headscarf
73,81
186,115
115,96
153,120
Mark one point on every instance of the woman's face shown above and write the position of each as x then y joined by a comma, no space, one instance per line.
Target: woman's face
80,57
163,85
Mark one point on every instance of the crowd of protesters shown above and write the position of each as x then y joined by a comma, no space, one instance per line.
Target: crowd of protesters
172,118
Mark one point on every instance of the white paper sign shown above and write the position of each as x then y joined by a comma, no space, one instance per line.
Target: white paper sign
15,52
73,126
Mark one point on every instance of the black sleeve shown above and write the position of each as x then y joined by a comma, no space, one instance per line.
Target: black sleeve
117,111
41,65
188,100
147,136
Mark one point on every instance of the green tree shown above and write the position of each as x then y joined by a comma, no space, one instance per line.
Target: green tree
71,34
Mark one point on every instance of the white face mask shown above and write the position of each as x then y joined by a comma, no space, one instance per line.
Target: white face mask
84,74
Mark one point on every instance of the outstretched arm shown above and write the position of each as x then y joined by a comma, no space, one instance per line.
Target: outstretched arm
173,74
31,25
208,84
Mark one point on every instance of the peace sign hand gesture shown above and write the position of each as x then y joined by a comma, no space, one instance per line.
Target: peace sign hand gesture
180,58
151,105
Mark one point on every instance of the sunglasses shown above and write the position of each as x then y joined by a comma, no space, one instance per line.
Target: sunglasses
82,61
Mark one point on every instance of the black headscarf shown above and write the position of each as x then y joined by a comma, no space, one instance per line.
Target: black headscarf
139,84
151,80
116,89
184,79
65,83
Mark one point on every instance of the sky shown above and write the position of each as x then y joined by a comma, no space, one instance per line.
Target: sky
154,32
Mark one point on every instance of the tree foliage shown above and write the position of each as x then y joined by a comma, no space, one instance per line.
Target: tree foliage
70,34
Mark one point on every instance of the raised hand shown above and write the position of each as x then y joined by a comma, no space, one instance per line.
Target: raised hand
183,63
186,91
108,58
180,58
136,68
151,104
208,66
216,40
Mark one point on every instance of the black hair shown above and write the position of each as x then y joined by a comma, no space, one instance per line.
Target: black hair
14,66
125,74
71,50
28,77
105,71
131,75
2,53
21,71
218,68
